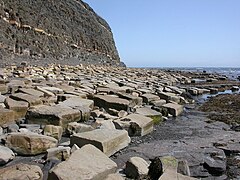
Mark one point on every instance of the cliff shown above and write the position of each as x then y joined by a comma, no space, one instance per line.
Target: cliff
54,31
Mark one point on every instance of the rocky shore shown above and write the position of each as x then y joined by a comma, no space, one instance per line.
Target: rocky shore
102,122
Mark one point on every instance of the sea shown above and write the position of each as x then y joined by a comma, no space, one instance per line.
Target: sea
231,72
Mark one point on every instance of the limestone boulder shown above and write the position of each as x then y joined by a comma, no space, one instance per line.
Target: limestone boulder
31,91
111,102
3,89
133,100
169,96
56,115
15,84
29,143
136,168
135,124
74,127
65,87
86,163
19,107
83,105
116,88
147,98
53,131
158,103
21,172
6,116
146,111
45,91
170,166
173,109
6,155
107,140
61,153
32,100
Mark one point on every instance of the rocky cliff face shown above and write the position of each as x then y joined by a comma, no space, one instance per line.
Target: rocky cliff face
54,31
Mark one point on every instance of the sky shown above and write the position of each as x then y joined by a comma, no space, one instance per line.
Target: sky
174,33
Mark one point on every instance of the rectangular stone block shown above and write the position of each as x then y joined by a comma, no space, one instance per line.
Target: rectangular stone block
169,96
147,98
155,115
30,143
83,105
85,163
3,89
111,102
108,141
133,100
55,115
173,109
6,116
19,107
32,92
32,100
135,124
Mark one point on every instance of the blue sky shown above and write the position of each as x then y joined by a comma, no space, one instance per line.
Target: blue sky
174,33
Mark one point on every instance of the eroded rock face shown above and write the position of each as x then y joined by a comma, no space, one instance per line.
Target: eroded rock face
54,31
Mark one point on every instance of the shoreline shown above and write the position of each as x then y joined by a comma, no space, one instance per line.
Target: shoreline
144,92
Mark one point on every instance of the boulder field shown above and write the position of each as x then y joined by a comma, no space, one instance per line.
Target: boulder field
54,117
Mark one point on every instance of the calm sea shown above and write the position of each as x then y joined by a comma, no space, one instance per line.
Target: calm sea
232,73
